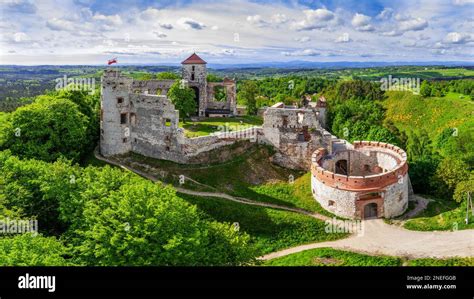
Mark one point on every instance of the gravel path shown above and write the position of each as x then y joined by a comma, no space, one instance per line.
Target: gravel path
381,238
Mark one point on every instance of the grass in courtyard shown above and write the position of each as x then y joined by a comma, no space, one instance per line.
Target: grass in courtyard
270,229
333,257
210,125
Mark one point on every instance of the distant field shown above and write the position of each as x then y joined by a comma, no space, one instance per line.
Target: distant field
424,73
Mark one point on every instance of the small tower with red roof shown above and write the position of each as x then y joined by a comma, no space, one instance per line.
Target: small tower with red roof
195,73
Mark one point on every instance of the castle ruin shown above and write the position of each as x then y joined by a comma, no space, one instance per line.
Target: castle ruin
360,180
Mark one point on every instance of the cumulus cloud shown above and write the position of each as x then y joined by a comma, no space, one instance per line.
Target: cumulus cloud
188,23
279,18
392,33
108,22
150,14
303,39
385,14
415,24
361,22
344,38
306,52
314,19
458,38
19,37
60,25
18,6
256,20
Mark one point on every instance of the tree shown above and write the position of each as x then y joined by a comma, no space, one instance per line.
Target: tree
167,76
183,99
48,129
425,89
32,250
449,173
248,92
214,78
143,223
463,187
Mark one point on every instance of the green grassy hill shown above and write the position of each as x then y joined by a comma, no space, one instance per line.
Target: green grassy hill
413,112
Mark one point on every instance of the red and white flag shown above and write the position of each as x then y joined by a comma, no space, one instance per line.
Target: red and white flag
111,61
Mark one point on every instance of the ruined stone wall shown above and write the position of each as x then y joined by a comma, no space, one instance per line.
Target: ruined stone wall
152,87
295,134
230,89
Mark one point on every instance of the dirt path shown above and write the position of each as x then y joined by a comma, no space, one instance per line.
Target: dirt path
377,236
381,238
421,205
216,194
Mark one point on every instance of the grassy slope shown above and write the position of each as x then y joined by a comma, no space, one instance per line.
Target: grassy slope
441,215
251,175
270,229
333,257
217,124
410,112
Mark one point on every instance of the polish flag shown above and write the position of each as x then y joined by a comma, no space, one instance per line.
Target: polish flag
111,61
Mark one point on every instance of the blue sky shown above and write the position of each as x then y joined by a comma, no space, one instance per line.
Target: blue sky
239,31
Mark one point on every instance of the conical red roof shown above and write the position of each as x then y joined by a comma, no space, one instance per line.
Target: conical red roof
193,59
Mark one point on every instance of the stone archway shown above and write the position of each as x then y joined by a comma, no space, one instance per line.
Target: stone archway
370,210
341,167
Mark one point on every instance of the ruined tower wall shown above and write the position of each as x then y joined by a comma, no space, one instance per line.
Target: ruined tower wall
115,102
294,133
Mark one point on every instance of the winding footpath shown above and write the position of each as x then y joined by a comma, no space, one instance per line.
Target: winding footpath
376,238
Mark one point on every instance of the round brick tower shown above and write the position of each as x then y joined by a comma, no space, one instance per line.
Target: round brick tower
368,180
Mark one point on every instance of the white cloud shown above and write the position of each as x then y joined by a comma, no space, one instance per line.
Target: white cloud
303,39
306,52
344,38
314,19
18,6
392,33
60,25
188,23
361,22
458,38
279,18
385,14
19,37
416,24
150,14
256,20
111,20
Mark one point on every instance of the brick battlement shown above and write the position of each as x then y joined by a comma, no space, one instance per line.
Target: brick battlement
361,183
